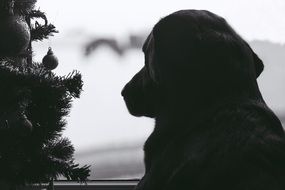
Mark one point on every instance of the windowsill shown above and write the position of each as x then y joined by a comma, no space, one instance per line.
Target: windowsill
91,185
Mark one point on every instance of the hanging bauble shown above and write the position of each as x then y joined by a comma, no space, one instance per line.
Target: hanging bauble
50,61
14,33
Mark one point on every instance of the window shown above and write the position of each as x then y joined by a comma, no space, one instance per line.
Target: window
103,132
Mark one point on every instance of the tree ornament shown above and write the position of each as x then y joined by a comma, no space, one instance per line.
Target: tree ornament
50,61
14,32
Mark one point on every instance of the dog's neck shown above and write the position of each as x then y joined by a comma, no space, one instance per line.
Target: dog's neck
185,114
178,117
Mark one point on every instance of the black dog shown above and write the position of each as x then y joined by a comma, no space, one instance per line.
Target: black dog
213,129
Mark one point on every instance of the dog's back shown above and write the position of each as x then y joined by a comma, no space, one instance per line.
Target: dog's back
237,147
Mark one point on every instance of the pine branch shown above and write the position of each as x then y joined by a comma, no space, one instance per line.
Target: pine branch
60,149
47,97
24,6
76,173
40,32
73,83
57,168
38,14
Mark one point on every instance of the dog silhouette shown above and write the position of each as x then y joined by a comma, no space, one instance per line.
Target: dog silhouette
213,130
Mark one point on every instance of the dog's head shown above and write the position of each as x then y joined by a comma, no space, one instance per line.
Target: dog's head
141,94
190,53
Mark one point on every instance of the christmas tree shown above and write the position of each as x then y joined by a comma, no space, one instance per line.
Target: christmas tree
33,103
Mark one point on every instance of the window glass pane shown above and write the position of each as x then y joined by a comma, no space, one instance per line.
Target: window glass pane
105,135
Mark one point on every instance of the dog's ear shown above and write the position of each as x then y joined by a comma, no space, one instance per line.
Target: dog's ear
142,93
151,58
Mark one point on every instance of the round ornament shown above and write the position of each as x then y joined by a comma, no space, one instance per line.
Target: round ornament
15,33
50,61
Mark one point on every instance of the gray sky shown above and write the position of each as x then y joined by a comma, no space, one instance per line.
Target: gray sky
90,123
253,19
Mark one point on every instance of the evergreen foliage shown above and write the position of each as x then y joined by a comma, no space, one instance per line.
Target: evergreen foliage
33,104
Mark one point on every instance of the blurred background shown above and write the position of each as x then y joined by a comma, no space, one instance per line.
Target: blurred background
102,39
